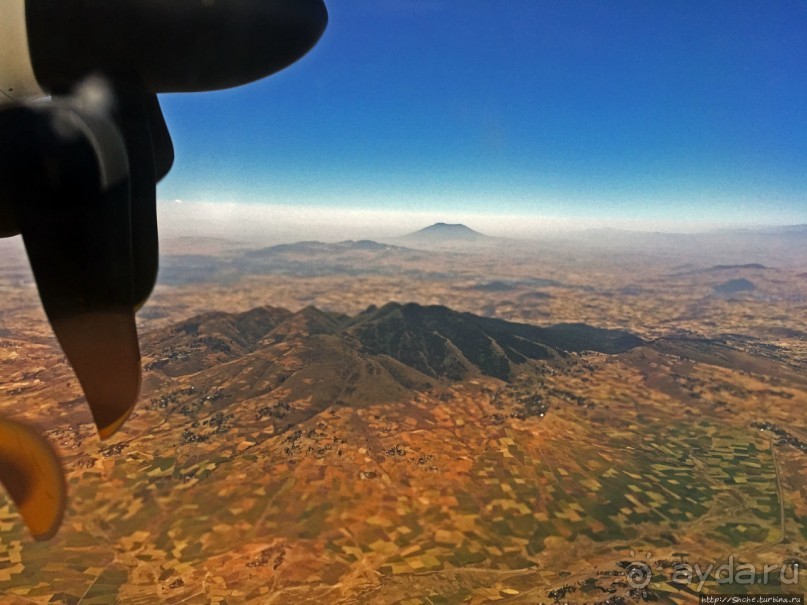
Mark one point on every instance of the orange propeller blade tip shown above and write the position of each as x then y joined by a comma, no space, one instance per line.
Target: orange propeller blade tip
33,477
103,349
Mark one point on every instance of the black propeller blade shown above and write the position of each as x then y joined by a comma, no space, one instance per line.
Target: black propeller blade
71,199
85,202
172,45
139,118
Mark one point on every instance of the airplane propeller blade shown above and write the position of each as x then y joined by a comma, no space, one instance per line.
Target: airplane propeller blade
151,154
76,222
33,477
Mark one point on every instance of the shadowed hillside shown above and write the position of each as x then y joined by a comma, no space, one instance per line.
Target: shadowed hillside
441,342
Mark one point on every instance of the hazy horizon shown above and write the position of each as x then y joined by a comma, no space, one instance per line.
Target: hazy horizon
252,221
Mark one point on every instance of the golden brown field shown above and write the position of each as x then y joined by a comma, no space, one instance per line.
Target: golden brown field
323,450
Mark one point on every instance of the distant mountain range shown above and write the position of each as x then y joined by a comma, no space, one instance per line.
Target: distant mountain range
800,229
309,258
315,248
315,258
778,229
733,249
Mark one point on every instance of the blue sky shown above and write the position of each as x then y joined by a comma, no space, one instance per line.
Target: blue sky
614,110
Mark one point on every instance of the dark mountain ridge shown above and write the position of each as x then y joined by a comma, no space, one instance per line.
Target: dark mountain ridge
380,355
441,342
435,340
294,365
291,366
